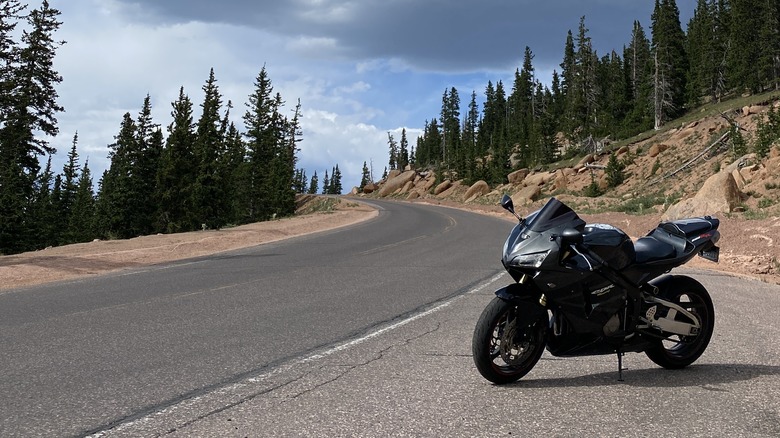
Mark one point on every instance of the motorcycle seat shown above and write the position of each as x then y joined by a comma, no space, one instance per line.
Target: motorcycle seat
650,249
692,227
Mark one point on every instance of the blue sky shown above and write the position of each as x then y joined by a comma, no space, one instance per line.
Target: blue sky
360,68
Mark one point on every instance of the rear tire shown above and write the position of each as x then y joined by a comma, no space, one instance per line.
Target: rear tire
680,351
506,345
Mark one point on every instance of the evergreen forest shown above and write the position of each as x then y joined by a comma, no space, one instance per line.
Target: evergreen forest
205,173
729,48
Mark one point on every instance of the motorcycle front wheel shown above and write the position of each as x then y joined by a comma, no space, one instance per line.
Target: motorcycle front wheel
677,351
507,345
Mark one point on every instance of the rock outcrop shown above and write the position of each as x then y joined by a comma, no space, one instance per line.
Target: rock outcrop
397,182
479,188
719,194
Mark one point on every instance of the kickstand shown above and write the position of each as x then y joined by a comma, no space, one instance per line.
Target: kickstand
620,355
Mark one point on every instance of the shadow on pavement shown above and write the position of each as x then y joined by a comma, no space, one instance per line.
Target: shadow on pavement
695,375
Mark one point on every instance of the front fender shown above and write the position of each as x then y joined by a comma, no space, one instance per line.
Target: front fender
524,296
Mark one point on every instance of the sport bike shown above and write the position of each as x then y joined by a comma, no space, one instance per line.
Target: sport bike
587,289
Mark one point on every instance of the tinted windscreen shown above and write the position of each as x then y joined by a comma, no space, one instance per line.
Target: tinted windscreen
553,214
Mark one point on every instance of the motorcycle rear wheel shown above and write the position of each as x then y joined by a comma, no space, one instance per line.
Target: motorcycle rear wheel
676,351
506,346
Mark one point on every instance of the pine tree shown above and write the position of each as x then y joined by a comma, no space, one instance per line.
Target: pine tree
116,193
145,158
235,169
393,151
701,49
450,121
70,189
469,139
262,139
403,151
500,148
745,48
614,171
283,166
314,184
208,185
28,108
640,85
82,216
366,177
177,171
768,62
336,188
300,183
670,62
326,184
45,215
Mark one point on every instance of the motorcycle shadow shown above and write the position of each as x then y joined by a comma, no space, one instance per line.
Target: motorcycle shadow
703,375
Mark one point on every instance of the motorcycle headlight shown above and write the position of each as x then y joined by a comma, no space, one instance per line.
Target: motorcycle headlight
533,260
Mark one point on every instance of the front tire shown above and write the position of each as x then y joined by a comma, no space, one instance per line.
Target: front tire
677,351
507,343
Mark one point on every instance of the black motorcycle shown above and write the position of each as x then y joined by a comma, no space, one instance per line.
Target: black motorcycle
586,289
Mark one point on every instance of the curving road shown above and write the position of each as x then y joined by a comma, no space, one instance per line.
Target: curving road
363,331
86,356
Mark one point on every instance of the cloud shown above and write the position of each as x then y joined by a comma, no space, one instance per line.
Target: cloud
360,68
431,35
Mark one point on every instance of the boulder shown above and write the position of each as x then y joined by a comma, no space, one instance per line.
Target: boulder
657,149
428,183
452,190
752,109
408,186
622,150
561,182
393,173
526,195
414,194
718,194
479,188
539,179
442,187
517,176
738,178
369,188
354,191
396,183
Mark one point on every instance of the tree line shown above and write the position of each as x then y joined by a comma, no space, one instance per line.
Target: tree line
730,47
206,173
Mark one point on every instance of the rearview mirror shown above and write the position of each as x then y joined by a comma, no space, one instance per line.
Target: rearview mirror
571,236
507,203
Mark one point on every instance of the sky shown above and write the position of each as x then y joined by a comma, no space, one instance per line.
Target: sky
361,68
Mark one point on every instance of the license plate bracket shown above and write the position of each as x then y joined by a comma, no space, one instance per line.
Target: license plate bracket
712,254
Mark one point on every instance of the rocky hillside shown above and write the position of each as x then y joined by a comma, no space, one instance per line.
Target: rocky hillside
685,170
682,171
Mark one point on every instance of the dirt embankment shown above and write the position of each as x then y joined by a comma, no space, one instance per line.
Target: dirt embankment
99,257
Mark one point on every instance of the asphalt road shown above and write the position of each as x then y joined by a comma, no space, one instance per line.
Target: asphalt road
87,356
300,339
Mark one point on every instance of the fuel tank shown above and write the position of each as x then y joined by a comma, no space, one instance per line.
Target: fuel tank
610,243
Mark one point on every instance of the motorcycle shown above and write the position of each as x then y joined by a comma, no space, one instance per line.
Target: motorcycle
587,289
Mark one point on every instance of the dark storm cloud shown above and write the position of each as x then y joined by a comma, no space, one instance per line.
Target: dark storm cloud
437,35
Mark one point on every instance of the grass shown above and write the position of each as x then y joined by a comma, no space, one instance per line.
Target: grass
319,204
